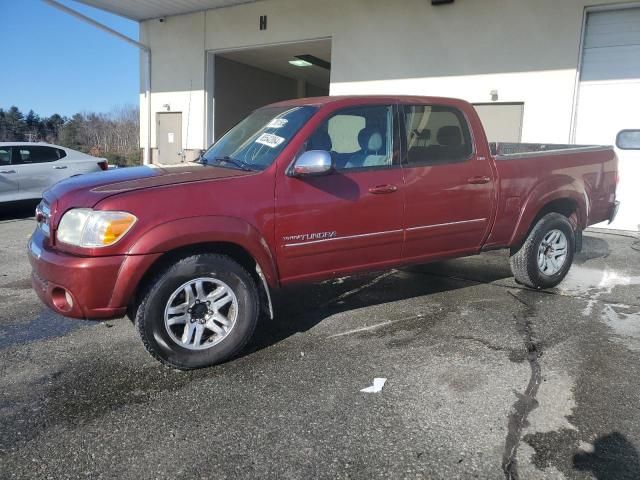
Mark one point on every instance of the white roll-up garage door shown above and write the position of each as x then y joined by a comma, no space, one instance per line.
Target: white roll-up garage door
609,97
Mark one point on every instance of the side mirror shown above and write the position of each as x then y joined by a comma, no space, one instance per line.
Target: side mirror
628,140
313,163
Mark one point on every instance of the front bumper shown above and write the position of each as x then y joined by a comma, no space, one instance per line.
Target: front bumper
614,211
94,288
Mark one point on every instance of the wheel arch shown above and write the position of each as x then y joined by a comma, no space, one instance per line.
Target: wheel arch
570,202
185,237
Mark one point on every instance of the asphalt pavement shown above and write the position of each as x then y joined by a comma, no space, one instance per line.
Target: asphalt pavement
485,379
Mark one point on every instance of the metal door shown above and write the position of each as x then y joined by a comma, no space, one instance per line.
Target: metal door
169,138
502,122
609,98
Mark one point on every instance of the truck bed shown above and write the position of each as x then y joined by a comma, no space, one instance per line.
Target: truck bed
526,171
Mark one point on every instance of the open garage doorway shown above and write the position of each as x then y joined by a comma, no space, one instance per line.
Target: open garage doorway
241,80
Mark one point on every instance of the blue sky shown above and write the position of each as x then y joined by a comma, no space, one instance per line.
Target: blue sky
55,63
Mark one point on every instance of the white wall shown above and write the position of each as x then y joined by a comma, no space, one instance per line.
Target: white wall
177,75
526,50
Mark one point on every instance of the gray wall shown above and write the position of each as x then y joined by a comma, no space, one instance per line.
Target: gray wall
315,91
240,89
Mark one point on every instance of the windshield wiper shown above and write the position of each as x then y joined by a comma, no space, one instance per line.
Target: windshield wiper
233,161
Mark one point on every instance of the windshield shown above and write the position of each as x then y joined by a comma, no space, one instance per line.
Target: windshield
256,141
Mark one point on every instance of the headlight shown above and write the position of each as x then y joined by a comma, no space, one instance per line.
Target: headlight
84,227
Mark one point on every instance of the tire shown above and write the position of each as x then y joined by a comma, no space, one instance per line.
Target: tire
168,319
525,262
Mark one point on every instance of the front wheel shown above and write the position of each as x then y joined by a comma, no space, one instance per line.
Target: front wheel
544,259
198,312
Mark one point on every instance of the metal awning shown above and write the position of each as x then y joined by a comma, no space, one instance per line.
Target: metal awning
139,10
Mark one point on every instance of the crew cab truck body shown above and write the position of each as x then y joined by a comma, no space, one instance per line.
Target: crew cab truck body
302,191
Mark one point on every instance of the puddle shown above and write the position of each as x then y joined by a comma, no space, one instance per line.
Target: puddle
624,320
584,280
593,283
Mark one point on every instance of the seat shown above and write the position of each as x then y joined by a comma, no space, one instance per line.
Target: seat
372,152
320,140
450,136
449,147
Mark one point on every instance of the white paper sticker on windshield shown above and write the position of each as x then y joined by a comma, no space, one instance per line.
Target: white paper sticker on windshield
277,123
270,140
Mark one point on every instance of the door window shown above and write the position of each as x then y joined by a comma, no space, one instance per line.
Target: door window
436,135
5,155
35,154
357,137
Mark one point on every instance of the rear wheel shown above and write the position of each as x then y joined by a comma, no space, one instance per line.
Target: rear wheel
544,259
199,312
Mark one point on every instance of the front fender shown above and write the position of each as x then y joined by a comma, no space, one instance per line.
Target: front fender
196,230
556,188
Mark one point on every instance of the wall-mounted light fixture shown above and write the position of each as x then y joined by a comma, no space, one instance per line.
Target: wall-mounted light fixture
167,107
300,63
309,60
494,95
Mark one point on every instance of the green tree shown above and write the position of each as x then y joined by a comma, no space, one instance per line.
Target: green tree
33,130
12,125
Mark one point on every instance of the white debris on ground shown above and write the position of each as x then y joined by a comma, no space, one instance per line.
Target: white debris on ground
378,383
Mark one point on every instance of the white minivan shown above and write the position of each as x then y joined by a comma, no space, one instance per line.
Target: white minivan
28,169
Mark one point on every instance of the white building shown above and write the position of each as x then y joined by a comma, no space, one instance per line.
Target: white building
539,70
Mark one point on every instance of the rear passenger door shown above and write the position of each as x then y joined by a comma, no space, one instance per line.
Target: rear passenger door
38,168
449,188
351,218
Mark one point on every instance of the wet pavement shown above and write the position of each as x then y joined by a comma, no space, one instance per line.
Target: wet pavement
485,380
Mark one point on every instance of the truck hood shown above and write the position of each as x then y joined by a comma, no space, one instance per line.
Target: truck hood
87,190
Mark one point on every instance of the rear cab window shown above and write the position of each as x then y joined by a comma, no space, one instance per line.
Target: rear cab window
435,134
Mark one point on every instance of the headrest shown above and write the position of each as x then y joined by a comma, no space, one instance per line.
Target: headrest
422,134
450,136
320,140
370,139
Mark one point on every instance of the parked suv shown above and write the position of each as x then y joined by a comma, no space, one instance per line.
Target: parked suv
302,191
28,169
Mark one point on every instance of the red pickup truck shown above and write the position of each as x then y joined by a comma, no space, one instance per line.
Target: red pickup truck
305,190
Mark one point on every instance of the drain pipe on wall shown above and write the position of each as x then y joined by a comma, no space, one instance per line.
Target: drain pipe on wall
144,48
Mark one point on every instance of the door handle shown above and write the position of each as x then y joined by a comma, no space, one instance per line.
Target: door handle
7,171
378,189
478,180
60,167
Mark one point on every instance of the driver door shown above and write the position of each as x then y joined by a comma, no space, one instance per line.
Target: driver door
349,219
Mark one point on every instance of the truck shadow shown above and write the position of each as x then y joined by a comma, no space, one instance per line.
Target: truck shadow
18,210
592,248
300,308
